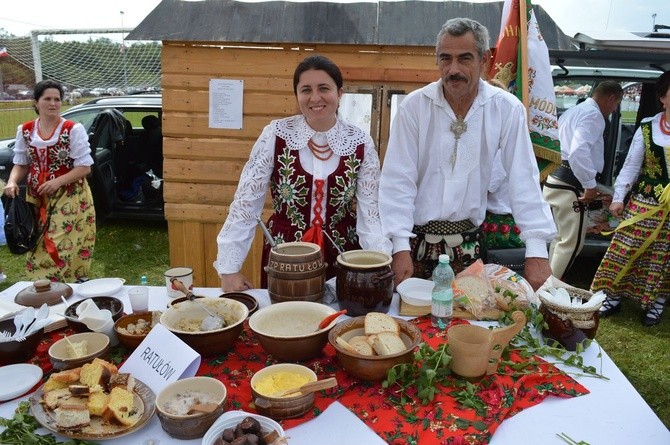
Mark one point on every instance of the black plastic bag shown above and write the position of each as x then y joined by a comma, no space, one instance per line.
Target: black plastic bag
21,226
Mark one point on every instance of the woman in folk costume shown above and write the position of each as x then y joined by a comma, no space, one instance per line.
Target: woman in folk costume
55,156
323,175
636,264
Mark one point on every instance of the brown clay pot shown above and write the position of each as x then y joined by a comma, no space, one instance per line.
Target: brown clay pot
364,282
296,272
43,291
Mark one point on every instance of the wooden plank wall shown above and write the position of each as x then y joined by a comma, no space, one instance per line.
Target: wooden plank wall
202,165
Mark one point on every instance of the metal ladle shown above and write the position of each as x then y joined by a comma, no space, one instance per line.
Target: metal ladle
266,232
337,246
212,321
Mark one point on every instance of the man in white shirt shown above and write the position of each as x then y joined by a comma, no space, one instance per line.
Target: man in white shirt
571,187
440,157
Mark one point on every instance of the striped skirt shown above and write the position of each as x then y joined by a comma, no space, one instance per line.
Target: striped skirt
648,277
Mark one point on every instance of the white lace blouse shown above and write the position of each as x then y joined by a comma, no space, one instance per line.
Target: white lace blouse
235,238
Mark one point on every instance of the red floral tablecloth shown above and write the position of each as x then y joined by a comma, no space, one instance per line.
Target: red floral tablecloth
442,422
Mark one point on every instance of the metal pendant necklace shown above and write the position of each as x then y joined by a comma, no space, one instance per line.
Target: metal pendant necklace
458,127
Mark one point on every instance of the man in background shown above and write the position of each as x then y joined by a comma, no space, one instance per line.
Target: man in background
572,186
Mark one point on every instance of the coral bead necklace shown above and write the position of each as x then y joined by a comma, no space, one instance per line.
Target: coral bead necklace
665,126
319,151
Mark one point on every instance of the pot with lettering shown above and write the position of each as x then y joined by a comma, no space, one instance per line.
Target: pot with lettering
296,272
364,281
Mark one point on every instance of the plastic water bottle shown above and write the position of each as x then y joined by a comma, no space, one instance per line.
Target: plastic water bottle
442,307
143,280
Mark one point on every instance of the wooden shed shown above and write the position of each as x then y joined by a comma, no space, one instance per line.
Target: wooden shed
384,50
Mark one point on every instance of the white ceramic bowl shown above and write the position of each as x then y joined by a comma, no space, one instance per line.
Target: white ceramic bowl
230,419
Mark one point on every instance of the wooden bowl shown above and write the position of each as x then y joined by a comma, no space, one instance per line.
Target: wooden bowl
18,351
193,426
372,368
184,320
279,408
98,346
128,340
113,305
288,330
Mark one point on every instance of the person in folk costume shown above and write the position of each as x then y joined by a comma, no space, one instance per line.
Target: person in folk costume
55,156
322,173
572,187
439,162
635,265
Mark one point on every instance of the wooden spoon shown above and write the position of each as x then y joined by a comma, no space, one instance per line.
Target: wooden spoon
309,387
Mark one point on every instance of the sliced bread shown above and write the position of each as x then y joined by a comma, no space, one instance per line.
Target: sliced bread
97,403
62,379
388,343
376,322
122,379
72,416
54,398
97,373
361,345
120,407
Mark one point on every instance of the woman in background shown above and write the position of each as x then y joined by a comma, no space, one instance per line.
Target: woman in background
55,156
635,265
323,175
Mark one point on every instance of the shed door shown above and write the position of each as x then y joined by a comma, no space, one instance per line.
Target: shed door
373,108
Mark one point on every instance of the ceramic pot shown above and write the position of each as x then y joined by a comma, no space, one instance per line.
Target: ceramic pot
364,282
296,272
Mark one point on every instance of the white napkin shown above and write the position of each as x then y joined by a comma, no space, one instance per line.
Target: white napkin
336,425
8,309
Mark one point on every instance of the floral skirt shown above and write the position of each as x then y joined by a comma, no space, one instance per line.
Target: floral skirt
71,227
648,277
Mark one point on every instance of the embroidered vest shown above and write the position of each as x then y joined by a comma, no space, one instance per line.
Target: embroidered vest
654,174
291,191
57,163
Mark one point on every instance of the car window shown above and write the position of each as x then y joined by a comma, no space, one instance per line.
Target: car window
82,116
135,116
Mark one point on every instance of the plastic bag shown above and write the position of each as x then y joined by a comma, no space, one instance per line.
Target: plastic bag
472,289
21,226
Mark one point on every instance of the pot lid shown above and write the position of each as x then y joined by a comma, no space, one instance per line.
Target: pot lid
43,291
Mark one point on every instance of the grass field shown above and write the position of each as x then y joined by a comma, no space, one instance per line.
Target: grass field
129,250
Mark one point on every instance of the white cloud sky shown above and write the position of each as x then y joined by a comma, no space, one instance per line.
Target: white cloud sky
571,15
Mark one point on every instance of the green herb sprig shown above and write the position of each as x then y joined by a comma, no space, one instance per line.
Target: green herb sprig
20,430
419,378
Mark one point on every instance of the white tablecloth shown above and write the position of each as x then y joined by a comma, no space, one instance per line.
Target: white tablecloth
612,414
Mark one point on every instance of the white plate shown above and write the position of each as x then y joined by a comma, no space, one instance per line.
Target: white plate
416,291
18,379
230,419
101,287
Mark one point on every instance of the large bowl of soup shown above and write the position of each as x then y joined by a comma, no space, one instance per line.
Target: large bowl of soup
289,331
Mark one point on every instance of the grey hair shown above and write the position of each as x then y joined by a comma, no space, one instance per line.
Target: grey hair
459,26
